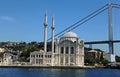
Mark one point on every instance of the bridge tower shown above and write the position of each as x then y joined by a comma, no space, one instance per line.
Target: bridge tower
110,27
110,56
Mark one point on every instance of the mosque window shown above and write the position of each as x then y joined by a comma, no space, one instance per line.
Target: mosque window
32,55
36,55
62,50
74,41
50,56
67,50
42,56
72,50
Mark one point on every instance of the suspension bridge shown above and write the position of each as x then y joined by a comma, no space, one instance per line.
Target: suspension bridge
110,40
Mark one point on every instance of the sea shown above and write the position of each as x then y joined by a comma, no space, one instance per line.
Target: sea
40,72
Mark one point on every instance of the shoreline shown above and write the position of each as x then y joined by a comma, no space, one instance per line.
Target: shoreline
55,67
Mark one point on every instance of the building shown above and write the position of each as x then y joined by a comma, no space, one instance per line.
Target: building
69,50
40,58
2,50
7,59
93,56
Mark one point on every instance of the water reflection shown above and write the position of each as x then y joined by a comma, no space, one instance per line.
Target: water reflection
25,72
60,72
71,73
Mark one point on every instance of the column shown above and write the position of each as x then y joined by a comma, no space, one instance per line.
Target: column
35,58
58,55
69,55
64,57
78,55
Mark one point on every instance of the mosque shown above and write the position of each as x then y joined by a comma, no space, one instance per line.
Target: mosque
68,50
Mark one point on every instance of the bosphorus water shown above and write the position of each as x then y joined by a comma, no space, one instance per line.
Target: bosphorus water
38,72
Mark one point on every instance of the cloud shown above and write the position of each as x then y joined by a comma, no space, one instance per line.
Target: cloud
7,18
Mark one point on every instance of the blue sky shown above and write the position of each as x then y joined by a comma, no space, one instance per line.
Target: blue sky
22,20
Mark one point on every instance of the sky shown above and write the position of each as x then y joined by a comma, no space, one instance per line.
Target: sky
22,20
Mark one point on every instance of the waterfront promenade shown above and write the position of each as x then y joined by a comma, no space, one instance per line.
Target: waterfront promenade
58,67
38,66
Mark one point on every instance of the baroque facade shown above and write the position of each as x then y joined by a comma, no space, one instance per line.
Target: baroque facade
69,50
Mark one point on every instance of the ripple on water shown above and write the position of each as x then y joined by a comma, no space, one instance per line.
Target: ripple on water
25,72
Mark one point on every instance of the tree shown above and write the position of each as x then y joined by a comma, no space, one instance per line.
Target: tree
27,50
104,61
117,58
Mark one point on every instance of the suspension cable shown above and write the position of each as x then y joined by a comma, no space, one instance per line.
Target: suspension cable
85,19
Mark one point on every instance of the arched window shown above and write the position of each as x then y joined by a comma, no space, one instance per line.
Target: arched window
67,50
72,50
62,50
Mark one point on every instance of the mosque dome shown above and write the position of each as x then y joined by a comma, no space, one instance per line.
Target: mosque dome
70,34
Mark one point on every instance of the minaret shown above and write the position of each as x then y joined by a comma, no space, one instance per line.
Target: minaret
52,39
52,34
45,32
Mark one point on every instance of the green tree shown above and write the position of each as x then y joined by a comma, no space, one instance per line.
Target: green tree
104,61
27,50
117,58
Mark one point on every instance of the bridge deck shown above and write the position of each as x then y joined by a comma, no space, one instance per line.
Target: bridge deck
102,42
